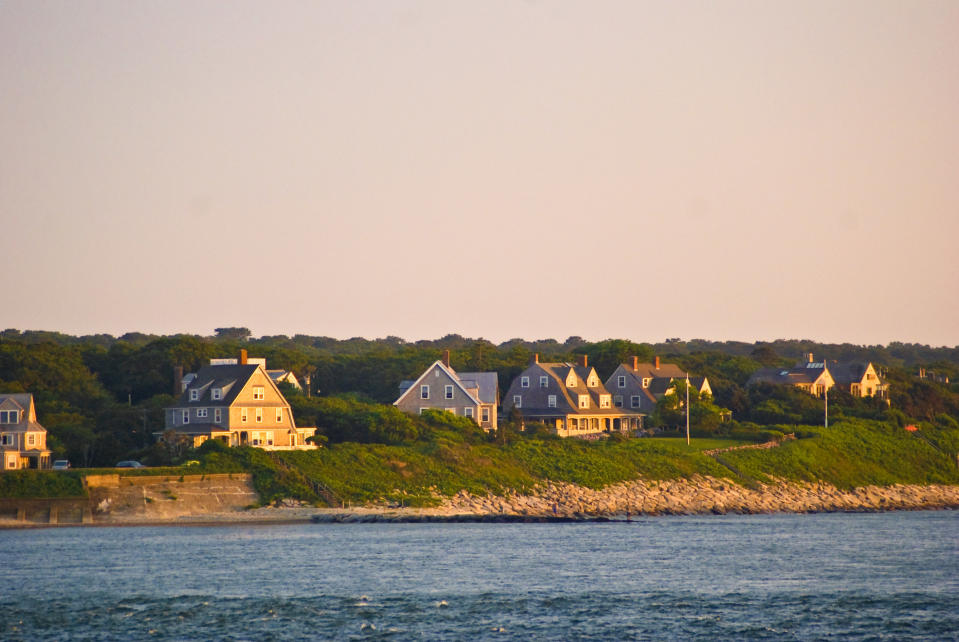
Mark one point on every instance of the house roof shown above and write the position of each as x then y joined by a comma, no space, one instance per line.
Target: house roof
453,377
848,372
231,378
535,397
487,382
793,376
22,401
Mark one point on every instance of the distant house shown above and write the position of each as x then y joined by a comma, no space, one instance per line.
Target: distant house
237,402
284,376
23,441
858,378
932,375
469,394
638,386
570,399
811,376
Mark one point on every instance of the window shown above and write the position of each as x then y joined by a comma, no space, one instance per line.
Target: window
544,382
551,401
424,392
584,401
259,415
593,382
524,382
517,401
618,401
485,414
621,381
634,401
186,416
448,392
194,395
216,394
218,415
468,412
6,439
258,393
571,381
604,401
9,416
279,415
243,415
201,413
31,439
646,381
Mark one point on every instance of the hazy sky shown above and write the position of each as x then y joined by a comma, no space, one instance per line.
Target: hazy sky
639,170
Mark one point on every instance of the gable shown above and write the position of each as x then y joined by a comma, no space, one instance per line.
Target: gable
436,374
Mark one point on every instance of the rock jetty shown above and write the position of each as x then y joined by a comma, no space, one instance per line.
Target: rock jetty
698,495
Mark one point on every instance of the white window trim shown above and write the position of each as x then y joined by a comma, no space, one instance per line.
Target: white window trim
425,391
216,394
244,415
468,412
621,381
518,401
524,382
544,382
634,401
186,416
259,393
202,413
584,401
259,415
448,392
551,401
217,415
484,413
279,415
194,395
618,401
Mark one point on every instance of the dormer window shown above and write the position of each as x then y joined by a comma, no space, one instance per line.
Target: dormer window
584,401
593,382
571,381
194,395
646,382
216,394
604,401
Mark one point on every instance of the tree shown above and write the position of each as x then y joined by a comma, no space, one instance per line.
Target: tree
236,334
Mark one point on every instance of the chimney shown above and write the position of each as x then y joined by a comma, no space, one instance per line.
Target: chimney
635,363
242,356
583,361
534,359
657,362
446,358
809,357
177,381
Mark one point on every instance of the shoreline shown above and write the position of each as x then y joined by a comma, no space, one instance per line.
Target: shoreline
567,503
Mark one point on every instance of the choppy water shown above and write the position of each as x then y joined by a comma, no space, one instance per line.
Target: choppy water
837,576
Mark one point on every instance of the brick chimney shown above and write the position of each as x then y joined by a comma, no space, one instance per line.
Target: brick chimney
446,358
242,356
533,360
635,363
657,362
808,356
583,361
177,381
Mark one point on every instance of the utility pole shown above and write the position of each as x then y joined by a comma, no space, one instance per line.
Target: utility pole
687,408
826,415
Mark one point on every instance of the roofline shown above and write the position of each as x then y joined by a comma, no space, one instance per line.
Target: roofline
449,372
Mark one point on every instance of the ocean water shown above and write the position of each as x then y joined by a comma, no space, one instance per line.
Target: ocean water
886,576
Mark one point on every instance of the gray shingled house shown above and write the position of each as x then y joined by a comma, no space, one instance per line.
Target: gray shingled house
474,395
638,386
570,399
23,441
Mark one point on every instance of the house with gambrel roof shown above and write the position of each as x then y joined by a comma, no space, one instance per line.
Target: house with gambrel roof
569,398
638,386
23,441
237,403
474,395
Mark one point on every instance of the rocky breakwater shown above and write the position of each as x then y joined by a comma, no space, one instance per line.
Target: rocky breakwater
700,495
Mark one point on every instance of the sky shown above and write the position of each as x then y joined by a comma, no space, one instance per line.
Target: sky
638,170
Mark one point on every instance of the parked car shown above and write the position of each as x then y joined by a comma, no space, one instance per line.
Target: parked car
129,463
61,464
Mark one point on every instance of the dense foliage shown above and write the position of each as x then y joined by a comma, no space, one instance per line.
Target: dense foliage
102,397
